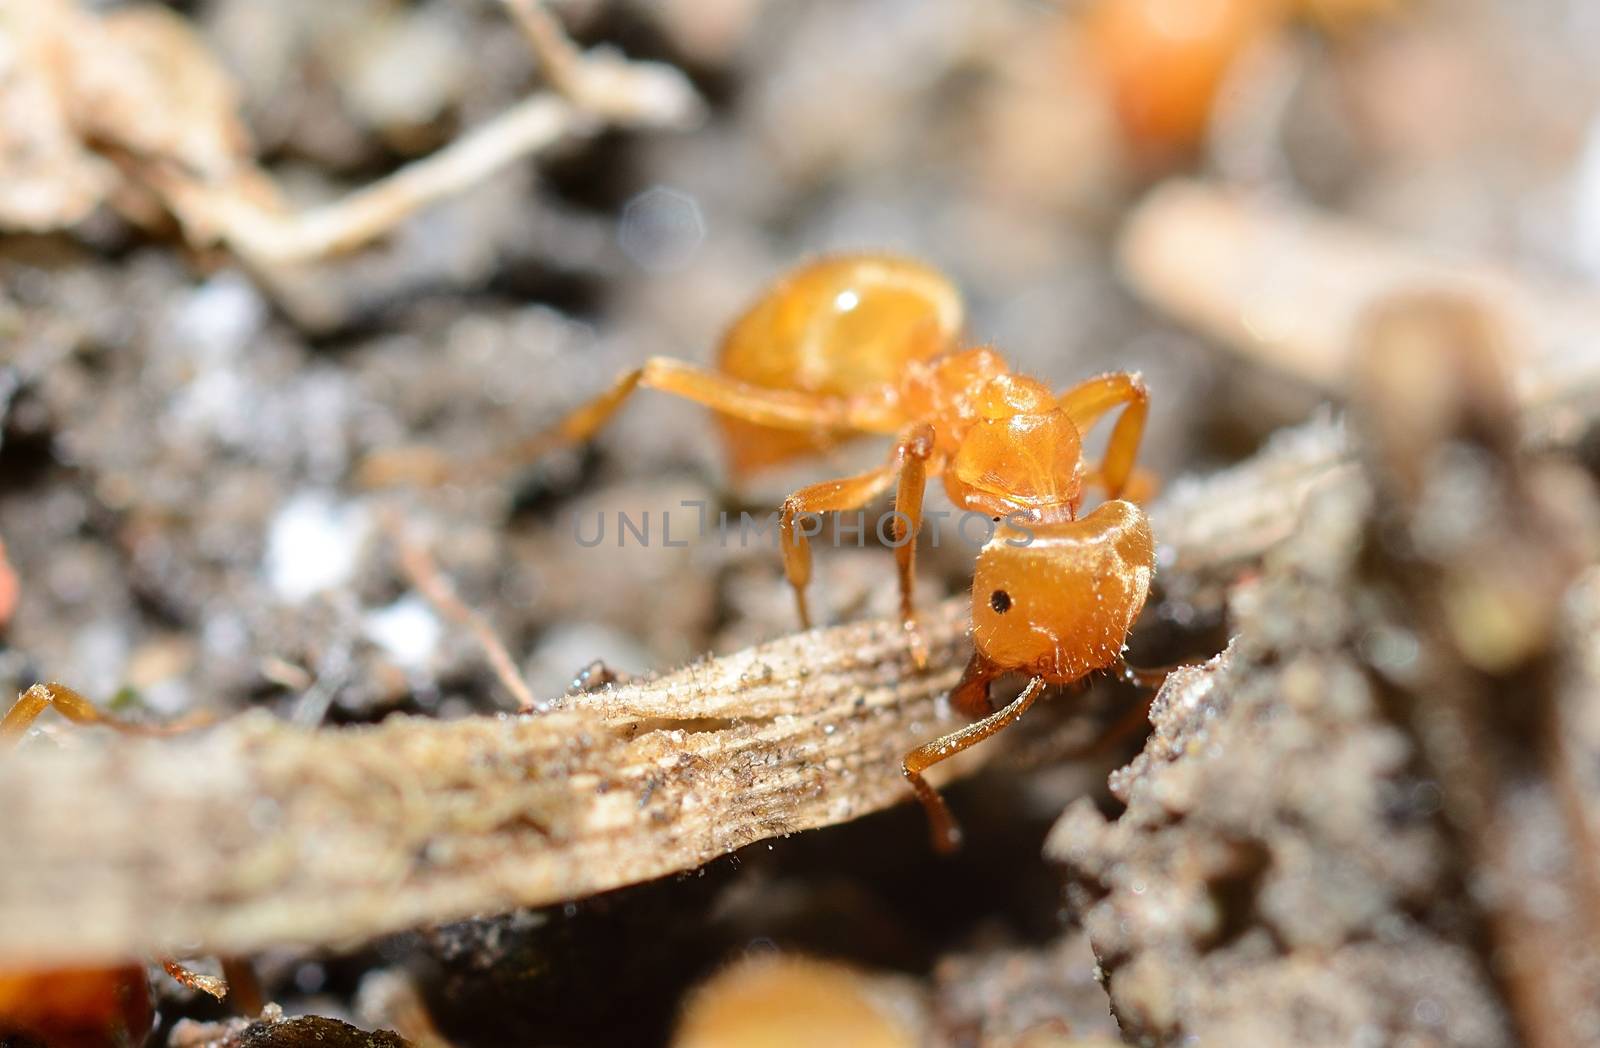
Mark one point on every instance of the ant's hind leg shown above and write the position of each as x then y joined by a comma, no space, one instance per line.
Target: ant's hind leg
776,408
1087,402
946,834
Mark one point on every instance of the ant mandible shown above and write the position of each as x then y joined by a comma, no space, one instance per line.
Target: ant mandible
867,345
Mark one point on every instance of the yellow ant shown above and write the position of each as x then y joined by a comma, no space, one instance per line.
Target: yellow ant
867,345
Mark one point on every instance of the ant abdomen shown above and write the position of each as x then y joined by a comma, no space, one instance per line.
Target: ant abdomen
841,326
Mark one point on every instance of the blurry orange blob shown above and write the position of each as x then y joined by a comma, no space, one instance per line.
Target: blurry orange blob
1163,61
77,1007
787,1002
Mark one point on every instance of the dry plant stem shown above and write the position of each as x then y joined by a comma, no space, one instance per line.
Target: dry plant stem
590,91
1286,286
1212,527
560,61
423,573
133,110
273,239
601,81
256,832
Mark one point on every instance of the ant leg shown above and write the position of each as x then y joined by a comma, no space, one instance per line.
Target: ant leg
910,462
244,986
73,706
912,453
1137,716
826,497
1088,401
970,696
946,834
779,408
775,408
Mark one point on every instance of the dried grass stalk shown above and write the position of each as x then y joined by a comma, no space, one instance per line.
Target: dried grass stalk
257,832
131,108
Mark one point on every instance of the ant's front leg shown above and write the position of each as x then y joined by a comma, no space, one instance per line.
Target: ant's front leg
1150,678
970,696
946,833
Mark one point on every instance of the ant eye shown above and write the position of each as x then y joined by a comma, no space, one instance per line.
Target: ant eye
1000,601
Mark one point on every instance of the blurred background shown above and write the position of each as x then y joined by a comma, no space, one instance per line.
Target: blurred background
180,430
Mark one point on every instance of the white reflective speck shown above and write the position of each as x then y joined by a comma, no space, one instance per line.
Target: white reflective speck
314,544
408,630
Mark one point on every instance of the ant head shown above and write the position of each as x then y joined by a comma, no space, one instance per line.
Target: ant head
1058,599
1021,453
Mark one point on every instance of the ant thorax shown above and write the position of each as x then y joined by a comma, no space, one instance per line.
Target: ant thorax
1027,464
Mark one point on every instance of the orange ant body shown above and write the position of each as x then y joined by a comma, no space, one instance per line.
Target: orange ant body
867,345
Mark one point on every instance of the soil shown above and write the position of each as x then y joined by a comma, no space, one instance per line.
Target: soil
180,442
